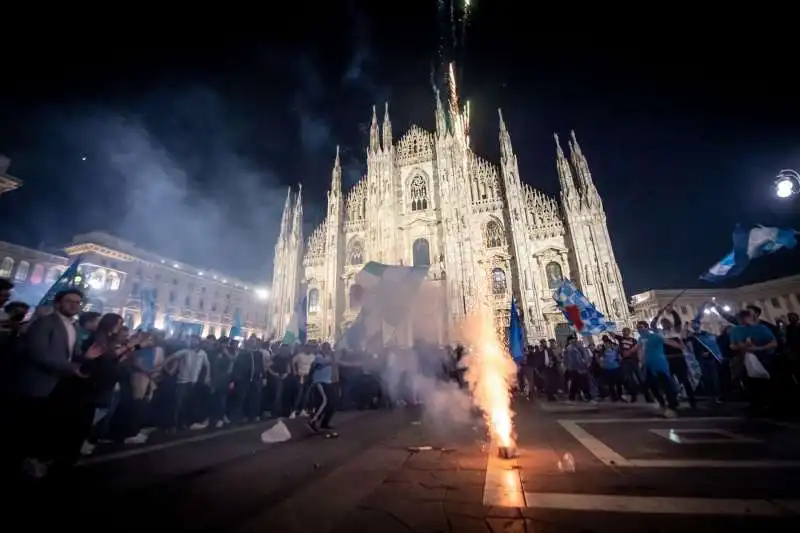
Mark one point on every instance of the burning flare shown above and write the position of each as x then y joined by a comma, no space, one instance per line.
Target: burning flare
490,374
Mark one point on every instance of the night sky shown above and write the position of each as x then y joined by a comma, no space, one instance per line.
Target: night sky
190,137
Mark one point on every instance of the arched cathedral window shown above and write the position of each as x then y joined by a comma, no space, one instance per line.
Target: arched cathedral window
313,300
356,254
498,281
494,234
421,251
419,194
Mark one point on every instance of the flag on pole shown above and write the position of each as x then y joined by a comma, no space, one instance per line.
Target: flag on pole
236,328
148,297
383,294
748,245
516,339
296,331
580,312
70,279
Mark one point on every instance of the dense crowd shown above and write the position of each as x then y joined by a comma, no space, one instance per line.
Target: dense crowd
669,361
74,380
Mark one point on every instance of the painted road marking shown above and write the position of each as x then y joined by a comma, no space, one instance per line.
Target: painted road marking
661,505
502,486
132,452
609,457
685,436
598,448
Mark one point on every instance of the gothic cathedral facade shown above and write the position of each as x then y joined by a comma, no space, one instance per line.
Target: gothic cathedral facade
429,200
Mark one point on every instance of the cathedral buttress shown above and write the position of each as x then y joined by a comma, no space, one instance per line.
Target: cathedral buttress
287,275
518,238
331,288
595,266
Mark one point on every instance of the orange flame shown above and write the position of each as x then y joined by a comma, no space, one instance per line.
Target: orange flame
490,374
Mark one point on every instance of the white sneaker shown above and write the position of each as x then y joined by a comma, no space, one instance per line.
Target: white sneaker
303,413
198,426
139,438
219,424
87,448
226,420
293,415
670,413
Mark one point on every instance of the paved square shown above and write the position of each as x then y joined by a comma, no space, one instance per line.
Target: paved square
716,442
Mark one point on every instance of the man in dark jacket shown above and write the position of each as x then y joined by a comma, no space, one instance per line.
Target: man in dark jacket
247,378
51,343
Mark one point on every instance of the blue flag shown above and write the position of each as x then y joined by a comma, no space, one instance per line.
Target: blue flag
296,331
236,329
67,280
748,245
148,297
516,340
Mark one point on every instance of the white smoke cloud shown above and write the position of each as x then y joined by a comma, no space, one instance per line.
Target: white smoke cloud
181,183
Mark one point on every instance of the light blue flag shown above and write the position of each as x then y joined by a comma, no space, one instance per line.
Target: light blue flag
67,280
384,295
748,245
236,329
148,297
516,340
297,330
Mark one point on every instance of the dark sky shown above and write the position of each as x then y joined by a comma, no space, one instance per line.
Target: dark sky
190,135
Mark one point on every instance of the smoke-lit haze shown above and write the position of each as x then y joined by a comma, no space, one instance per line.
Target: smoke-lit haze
197,170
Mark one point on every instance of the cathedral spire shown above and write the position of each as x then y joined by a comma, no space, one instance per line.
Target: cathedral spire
441,123
387,130
565,178
297,222
581,165
559,151
286,220
374,143
336,175
506,150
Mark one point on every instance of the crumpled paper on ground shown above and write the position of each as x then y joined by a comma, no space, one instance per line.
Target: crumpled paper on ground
277,433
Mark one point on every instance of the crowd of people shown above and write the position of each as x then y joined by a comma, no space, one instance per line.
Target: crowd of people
669,361
73,380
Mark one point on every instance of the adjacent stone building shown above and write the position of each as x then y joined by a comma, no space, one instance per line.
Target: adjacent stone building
187,297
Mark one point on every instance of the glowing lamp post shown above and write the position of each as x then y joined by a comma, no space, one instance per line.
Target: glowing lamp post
787,183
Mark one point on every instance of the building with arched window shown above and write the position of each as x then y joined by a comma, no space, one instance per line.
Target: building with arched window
428,200
118,272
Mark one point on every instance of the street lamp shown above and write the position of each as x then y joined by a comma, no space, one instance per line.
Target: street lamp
262,293
787,183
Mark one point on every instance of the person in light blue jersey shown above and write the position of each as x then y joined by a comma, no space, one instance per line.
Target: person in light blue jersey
322,382
656,368
611,371
751,336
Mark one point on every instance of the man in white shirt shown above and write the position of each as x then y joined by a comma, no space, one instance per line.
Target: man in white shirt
302,362
192,362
